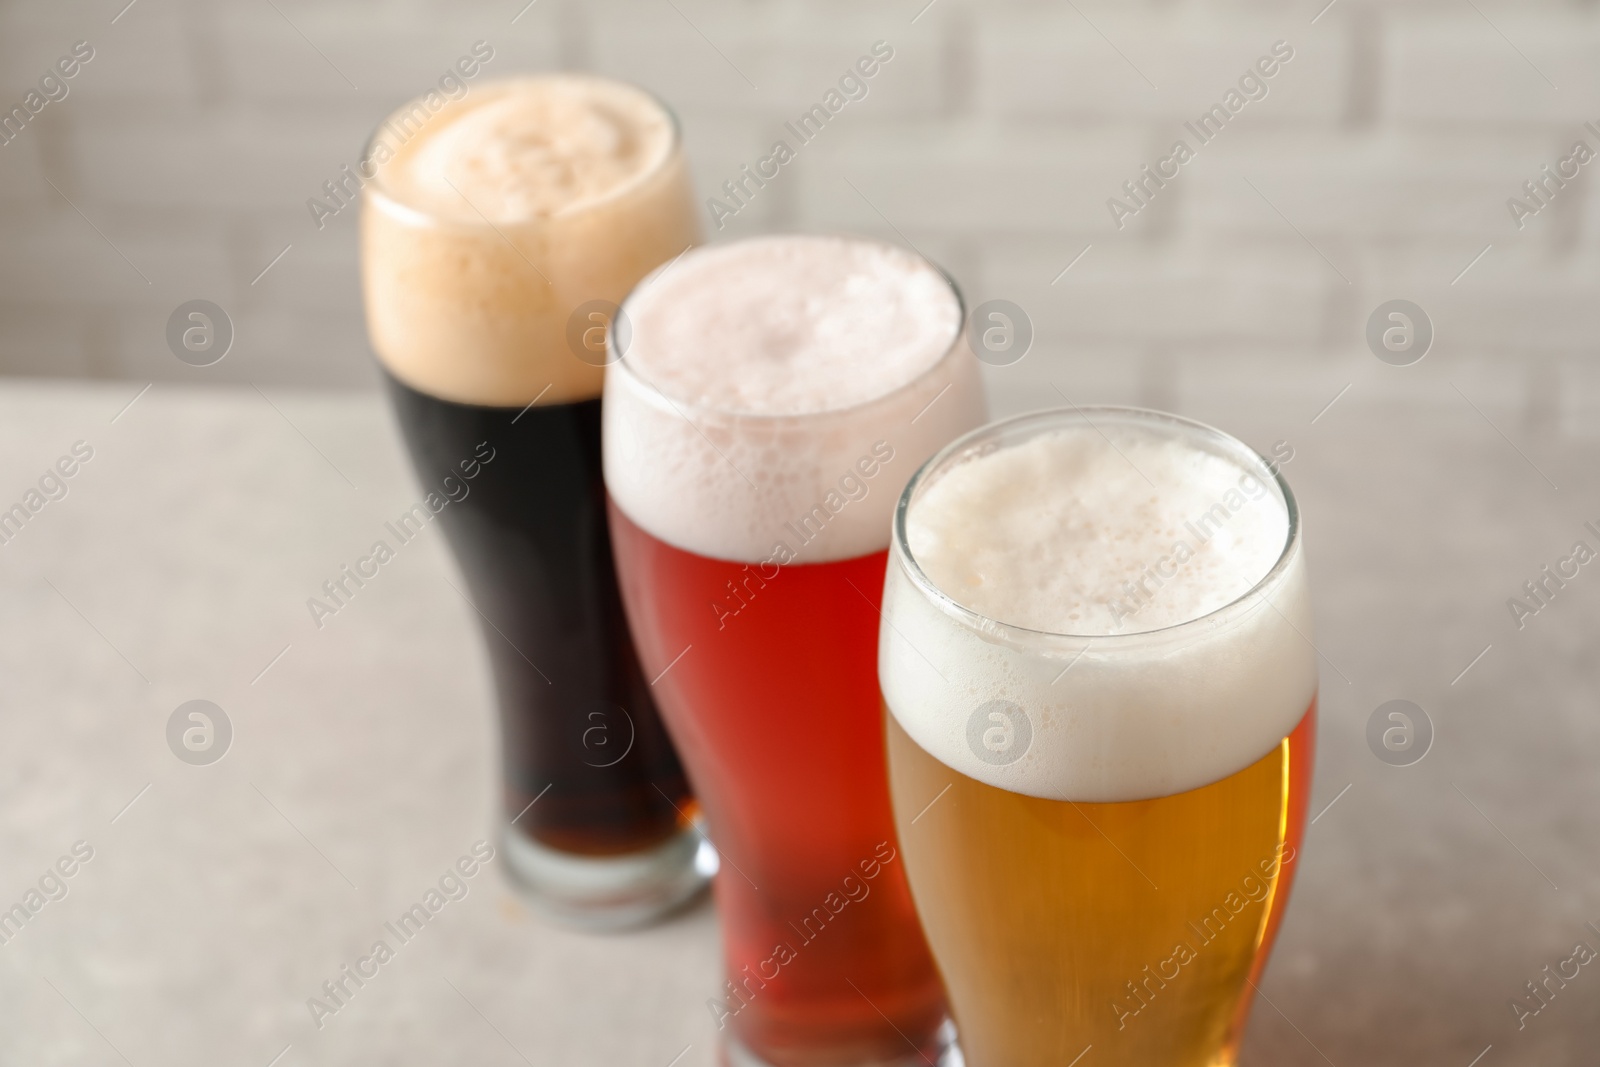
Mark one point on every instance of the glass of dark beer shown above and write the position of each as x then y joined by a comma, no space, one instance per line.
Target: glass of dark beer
497,232
775,396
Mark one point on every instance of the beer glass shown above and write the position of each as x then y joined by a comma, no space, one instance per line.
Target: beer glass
497,228
1100,704
774,397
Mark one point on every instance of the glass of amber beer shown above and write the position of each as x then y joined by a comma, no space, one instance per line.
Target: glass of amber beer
774,398
1100,704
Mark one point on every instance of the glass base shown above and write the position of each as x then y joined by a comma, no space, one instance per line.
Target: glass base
735,1054
602,893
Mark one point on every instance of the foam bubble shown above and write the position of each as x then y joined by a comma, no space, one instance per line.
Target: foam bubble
778,393
530,149
1131,532
798,325
1144,536
492,219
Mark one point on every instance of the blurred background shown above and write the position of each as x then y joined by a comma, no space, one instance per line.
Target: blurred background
1378,166
1381,164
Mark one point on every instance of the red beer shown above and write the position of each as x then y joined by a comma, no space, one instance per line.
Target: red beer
775,706
751,489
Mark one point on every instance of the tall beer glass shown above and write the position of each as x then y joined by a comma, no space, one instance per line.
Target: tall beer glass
494,232
774,398
1100,706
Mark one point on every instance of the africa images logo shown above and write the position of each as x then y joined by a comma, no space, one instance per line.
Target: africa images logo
999,732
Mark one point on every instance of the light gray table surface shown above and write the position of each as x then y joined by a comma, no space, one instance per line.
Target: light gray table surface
219,898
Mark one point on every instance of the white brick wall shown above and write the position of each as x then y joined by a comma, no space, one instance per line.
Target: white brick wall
992,141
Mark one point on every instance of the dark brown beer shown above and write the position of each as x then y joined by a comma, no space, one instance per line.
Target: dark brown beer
496,233
579,730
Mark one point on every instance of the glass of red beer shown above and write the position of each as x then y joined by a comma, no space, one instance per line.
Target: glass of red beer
770,399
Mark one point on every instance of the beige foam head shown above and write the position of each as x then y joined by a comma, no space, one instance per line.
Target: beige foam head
776,393
1128,587
492,219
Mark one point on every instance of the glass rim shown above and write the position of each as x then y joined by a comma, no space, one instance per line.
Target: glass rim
1050,417
657,397
386,200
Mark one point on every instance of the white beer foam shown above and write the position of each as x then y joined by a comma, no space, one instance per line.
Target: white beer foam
1054,533
777,393
1140,542
494,218
528,149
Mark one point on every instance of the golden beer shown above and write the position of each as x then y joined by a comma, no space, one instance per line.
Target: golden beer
1100,831
1130,926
